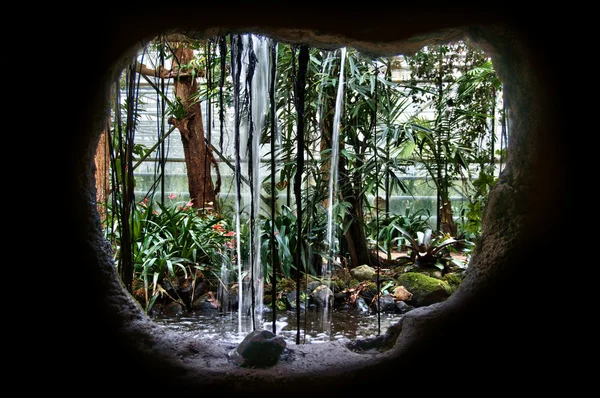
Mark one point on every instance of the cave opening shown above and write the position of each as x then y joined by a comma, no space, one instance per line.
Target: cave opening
464,327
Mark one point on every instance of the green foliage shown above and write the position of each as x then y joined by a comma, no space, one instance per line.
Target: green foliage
177,109
459,82
285,241
171,241
286,234
429,251
281,304
387,288
472,214
388,229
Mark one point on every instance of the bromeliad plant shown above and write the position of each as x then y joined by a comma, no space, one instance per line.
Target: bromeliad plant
431,252
172,243
392,229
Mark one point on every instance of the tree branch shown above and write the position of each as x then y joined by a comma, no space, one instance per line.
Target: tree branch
165,73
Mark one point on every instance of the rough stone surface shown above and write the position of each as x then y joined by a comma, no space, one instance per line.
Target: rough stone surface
109,345
402,294
322,296
259,349
364,273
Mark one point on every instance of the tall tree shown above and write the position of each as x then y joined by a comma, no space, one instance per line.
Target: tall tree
198,156
442,77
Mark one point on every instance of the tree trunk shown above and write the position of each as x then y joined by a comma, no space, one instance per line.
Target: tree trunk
356,241
102,160
198,156
447,221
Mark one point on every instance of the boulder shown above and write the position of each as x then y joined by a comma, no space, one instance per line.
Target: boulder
425,289
364,273
259,349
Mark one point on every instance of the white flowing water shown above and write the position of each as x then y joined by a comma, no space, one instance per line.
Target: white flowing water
260,90
333,169
250,274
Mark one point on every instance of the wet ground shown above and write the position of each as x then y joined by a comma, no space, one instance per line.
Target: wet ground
315,326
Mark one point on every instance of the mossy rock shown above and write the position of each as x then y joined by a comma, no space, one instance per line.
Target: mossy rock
364,273
312,285
286,285
425,289
338,285
453,280
370,290
342,274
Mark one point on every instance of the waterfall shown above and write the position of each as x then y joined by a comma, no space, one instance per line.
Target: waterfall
254,77
222,293
251,77
236,66
331,240
260,95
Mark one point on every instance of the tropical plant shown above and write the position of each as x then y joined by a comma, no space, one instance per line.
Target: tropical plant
285,236
458,81
371,142
387,230
285,226
172,242
430,252
471,215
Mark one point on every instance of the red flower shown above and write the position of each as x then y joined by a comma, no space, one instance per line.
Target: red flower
219,227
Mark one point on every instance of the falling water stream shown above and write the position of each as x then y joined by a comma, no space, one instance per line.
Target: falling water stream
333,168
252,89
